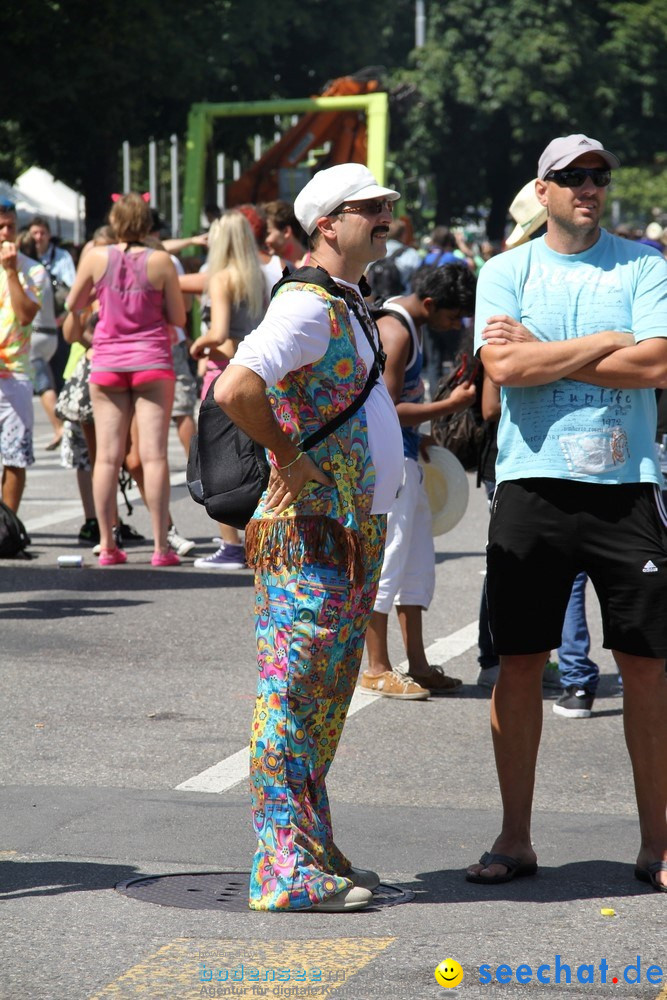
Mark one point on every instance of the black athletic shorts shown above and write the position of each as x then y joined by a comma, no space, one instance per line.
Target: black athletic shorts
543,532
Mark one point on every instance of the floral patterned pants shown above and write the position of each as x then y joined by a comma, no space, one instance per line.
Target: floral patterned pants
311,622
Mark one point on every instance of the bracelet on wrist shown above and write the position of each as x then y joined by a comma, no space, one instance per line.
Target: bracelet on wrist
283,468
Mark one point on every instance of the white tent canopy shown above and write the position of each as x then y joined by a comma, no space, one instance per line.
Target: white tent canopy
25,206
60,205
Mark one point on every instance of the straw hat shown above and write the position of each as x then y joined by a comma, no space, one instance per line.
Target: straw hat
446,486
528,214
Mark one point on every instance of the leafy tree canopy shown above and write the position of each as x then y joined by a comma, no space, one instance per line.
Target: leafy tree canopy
496,80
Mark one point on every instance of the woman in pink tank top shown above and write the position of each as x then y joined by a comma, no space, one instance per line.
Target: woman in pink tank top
132,369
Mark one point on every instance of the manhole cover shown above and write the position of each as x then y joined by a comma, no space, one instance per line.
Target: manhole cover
221,891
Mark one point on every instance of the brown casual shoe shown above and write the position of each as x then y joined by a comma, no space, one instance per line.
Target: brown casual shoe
436,680
393,685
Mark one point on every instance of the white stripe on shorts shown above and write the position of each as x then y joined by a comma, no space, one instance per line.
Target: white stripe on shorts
660,504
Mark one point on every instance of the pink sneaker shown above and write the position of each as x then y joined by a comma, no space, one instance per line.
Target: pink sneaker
168,558
112,557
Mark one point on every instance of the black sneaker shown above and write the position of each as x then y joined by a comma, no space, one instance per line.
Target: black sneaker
118,541
127,533
89,533
575,703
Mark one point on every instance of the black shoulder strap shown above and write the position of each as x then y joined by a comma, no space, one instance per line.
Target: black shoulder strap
48,264
312,276
318,276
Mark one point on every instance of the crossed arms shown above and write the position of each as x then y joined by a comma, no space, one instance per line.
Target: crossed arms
513,356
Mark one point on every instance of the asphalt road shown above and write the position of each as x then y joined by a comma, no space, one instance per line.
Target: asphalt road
126,702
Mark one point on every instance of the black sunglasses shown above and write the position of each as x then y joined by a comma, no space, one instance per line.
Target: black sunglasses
574,177
374,207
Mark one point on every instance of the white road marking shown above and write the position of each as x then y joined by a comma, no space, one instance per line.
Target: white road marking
229,772
69,509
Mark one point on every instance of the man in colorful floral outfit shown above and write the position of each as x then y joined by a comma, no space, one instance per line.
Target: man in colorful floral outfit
317,538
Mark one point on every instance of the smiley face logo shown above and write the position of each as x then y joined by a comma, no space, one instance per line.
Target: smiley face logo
449,973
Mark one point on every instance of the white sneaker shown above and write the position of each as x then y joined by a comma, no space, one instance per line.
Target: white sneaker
228,556
488,677
181,546
354,898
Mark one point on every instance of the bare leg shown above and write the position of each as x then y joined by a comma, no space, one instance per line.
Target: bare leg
185,427
88,431
516,725
85,483
132,463
644,714
13,485
48,398
410,620
153,408
376,644
229,534
113,412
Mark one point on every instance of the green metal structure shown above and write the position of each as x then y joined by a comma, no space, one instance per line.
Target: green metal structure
201,116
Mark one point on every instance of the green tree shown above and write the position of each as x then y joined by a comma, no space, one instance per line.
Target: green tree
79,78
641,193
497,80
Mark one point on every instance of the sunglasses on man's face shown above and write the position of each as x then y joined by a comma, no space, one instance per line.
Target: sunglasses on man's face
574,177
373,207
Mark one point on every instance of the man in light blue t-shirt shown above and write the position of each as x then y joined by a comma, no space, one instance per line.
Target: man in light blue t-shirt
573,327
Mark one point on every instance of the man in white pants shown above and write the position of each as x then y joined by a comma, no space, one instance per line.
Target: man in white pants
441,296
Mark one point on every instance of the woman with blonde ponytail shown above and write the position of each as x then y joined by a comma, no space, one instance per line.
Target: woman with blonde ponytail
236,291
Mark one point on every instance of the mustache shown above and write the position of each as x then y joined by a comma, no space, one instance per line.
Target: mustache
379,229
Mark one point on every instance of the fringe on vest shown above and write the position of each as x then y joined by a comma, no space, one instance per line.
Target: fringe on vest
271,542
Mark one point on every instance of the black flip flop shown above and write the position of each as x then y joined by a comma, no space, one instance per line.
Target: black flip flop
515,869
649,873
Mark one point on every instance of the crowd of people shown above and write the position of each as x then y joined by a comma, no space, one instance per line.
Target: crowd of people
571,330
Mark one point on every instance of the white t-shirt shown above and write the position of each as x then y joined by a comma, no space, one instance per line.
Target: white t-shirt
295,332
272,272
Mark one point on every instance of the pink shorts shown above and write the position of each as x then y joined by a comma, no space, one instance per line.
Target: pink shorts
130,380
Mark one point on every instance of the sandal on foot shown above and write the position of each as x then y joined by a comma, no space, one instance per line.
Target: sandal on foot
515,869
649,873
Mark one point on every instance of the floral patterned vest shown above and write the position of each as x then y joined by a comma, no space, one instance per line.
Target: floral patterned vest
323,522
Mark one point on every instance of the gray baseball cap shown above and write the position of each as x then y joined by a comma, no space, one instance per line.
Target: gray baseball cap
560,153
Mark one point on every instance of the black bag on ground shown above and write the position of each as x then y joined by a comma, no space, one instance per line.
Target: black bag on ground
227,471
13,536
461,433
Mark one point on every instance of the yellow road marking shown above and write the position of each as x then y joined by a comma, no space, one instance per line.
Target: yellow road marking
244,968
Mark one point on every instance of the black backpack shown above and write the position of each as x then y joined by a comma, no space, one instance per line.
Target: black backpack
384,277
227,471
464,433
60,289
13,536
